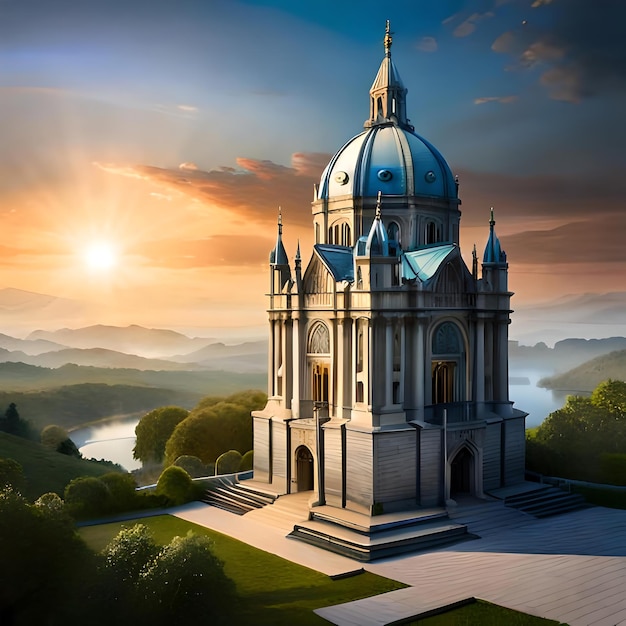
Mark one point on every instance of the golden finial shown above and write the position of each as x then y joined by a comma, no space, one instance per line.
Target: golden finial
388,39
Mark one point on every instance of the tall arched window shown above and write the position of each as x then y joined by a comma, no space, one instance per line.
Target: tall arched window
433,232
393,232
318,348
448,364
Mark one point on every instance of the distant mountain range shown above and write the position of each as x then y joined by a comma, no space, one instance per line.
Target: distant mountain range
586,316
147,342
565,355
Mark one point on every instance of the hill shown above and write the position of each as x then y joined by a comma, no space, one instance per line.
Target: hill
250,356
587,376
22,377
72,405
46,470
93,357
28,346
566,354
148,342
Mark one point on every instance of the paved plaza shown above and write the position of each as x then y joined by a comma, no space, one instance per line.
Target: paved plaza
570,567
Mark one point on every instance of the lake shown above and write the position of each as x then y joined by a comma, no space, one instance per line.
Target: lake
114,441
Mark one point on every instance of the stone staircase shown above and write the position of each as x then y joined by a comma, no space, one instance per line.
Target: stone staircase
366,538
545,501
237,498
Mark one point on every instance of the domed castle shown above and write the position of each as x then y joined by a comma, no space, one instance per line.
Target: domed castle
388,364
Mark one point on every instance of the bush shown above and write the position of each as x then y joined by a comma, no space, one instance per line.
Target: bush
153,431
52,436
247,461
122,494
186,584
87,497
176,484
613,468
11,475
228,463
193,466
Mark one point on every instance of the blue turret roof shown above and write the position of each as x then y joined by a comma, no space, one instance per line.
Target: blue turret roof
493,250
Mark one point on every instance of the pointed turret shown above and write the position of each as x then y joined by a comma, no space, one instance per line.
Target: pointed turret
493,251
279,262
377,240
388,93
495,268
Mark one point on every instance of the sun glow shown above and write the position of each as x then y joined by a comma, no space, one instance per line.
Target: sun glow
100,256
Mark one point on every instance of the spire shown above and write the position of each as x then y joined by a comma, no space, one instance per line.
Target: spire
298,258
493,250
278,256
377,240
388,93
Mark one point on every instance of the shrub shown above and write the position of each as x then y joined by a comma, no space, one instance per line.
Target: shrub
247,461
176,484
193,466
11,475
613,468
228,463
87,497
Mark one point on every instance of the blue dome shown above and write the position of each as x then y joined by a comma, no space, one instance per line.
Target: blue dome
390,159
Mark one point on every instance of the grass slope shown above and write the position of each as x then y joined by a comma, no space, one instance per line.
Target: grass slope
589,375
273,591
44,469
276,592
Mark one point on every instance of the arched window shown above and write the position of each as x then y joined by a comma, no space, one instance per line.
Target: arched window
359,278
393,232
319,340
345,235
433,232
447,340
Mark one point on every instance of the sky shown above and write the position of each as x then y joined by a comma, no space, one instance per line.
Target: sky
147,145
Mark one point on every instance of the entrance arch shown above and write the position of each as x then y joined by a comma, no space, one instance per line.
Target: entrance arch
462,473
304,469
448,365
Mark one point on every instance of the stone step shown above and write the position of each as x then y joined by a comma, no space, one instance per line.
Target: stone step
348,542
546,501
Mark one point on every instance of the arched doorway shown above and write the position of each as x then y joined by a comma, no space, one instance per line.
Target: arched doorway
462,473
304,469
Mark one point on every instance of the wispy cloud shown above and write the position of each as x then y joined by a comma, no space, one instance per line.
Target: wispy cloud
500,99
427,44
468,25
187,108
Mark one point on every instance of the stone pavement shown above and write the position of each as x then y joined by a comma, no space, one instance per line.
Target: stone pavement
570,567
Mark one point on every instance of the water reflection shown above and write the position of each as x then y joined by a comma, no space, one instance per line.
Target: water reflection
113,441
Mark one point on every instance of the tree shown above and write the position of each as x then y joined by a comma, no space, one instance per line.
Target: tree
122,491
153,431
11,475
131,551
215,426
52,436
571,440
176,485
43,564
12,419
186,584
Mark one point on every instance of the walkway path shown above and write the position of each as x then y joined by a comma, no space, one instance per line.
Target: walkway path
570,568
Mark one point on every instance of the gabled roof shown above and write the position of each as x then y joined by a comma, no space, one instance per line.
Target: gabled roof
338,260
424,263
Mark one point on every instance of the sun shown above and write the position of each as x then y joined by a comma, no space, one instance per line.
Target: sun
100,256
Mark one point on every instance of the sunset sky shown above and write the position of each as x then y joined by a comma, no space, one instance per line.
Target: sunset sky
147,145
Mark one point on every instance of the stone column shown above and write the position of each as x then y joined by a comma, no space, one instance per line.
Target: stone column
339,369
297,365
479,373
388,362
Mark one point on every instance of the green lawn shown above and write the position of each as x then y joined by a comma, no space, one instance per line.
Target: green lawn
276,592
46,470
273,591
480,613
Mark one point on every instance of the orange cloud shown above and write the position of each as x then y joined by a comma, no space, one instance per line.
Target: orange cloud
253,190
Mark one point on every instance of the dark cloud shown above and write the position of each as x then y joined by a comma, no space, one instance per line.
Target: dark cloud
578,46
596,240
528,197
254,190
